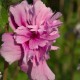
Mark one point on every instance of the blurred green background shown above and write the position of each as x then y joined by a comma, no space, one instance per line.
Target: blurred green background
65,62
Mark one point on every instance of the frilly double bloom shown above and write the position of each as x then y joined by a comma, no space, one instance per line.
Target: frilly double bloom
35,29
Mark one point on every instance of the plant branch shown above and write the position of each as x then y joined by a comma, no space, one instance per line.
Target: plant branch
5,71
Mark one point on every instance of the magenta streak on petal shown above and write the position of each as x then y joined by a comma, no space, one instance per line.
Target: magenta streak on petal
12,22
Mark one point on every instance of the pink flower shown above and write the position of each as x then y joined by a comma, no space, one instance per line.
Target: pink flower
35,29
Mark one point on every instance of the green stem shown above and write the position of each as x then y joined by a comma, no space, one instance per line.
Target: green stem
78,10
7,27
5,71
15,73
70,12
61,5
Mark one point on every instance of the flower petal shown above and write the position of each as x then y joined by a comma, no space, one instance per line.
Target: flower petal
35,0
41,72
21,30
19,14
10,51
33,44
56,16
21,39
48,72
54,48
42,42
40,14
12,23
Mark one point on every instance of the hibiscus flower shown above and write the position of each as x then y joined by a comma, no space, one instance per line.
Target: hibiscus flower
35,29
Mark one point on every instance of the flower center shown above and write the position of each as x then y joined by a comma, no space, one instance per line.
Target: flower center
34,35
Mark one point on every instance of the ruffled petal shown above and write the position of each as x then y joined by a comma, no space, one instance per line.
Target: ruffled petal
12,23
35,0
41,13
23,66
21,39
56,16
33,44
51,37
49,74
18,13
40,72
10,51
21,30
